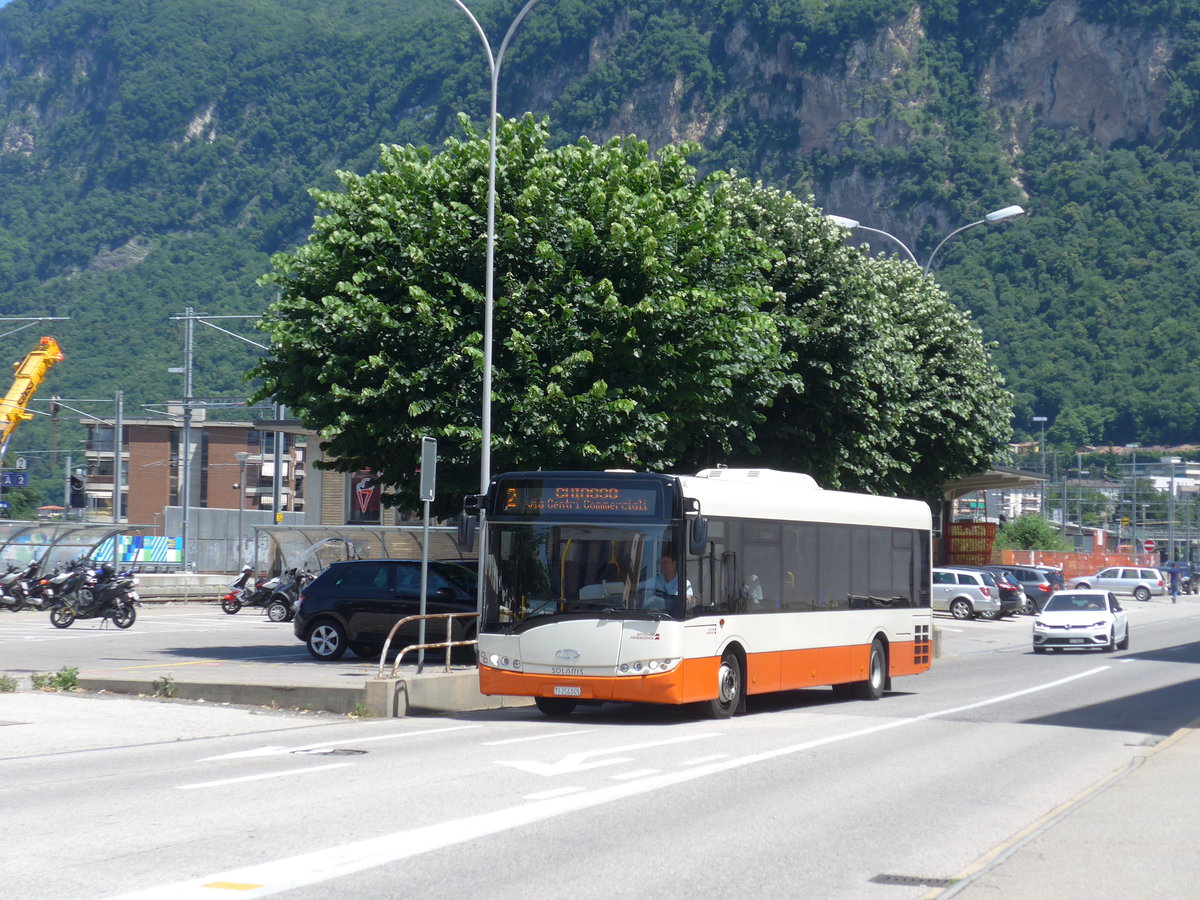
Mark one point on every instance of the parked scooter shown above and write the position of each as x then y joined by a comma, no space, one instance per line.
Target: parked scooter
282,607
15,590
242,594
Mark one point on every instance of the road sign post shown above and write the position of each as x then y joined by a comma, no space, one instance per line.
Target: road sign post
427,492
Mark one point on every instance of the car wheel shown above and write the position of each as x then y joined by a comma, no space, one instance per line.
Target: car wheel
1141,592
1112,641
872,687
326,640
960,609
729,687
1083,586
1030,607
1124,645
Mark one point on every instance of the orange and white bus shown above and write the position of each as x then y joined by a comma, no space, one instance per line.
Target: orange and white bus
624,586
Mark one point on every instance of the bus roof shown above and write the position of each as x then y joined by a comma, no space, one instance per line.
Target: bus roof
792,496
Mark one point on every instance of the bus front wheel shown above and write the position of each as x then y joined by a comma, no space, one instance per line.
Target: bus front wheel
729,687
555,707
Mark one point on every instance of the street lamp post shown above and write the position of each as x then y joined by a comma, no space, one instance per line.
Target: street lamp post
241,458
485,422
999,215
1133,503
1041,420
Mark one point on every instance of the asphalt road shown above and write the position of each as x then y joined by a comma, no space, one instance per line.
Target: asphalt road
804,797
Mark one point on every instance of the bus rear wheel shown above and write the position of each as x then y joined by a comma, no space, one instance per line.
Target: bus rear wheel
876,680
729,687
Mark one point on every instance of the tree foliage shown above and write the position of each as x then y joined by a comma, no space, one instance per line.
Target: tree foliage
644,317
1030,533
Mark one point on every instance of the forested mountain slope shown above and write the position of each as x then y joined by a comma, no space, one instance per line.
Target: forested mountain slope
154,154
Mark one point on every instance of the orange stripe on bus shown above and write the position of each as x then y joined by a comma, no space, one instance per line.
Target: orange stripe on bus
695,680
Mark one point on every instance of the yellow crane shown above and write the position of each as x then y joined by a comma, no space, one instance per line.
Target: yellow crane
30,373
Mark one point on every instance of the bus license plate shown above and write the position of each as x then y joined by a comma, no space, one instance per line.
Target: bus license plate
564,691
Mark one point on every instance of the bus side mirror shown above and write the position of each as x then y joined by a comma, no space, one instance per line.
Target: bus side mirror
467,526
698,536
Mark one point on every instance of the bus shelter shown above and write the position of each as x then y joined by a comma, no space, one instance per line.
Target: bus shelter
313,547
56,543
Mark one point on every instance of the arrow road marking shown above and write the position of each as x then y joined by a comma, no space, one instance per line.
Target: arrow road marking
579,762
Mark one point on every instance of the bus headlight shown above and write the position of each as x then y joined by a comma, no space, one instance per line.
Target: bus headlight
647,666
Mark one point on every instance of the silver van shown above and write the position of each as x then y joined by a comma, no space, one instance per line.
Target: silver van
964,594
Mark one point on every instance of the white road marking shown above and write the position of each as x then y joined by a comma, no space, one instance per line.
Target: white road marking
634,773
706,759
578,762
282,774
535,737
557,792
306,869
282,751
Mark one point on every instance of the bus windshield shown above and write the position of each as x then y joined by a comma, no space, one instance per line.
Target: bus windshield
546,569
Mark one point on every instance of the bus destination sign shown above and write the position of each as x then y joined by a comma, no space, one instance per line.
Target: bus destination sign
544,498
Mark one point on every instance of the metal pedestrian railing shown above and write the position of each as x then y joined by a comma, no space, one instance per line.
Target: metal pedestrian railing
448,643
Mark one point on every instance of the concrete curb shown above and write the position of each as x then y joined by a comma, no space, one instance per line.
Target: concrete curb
425,694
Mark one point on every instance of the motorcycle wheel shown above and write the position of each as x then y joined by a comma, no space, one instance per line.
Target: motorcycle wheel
18,604
277,611
61,617
124,615
231,606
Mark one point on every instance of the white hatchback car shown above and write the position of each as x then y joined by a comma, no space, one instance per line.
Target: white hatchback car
1078,619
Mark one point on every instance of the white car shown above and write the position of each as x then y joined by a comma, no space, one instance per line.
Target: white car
1079,619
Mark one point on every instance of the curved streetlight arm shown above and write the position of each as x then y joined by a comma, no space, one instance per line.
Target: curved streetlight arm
959,230
854,223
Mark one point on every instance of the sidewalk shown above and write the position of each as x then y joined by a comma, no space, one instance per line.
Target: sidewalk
1136,833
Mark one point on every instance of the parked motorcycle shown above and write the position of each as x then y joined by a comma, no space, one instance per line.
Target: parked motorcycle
81,593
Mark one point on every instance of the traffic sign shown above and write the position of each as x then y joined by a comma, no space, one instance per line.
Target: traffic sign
4,504
22,463
1149,546
14,479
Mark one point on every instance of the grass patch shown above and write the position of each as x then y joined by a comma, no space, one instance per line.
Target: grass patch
362,711
65,679
165,687
8,684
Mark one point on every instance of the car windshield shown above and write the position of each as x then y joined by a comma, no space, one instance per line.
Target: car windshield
546,569
460,576
1076,603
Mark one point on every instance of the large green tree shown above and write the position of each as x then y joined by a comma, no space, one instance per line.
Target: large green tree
643,318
